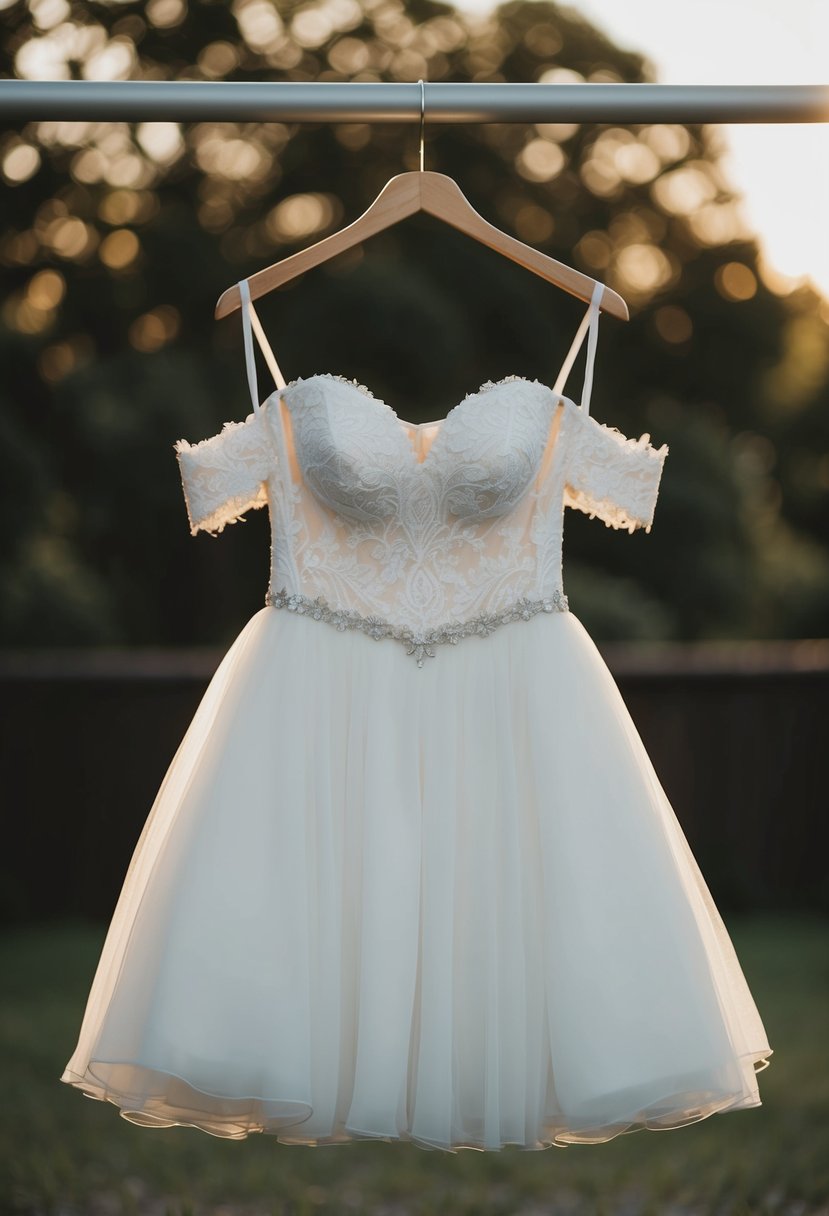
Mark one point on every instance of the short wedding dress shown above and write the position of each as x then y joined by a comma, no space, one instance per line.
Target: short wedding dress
411,875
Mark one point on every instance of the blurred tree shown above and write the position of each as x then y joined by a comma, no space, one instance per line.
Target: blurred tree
119,238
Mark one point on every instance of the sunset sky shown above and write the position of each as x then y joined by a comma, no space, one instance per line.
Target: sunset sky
781,169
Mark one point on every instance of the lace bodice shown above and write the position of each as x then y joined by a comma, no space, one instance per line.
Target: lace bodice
412,530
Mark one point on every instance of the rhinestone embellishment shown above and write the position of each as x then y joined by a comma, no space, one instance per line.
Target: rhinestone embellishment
418,644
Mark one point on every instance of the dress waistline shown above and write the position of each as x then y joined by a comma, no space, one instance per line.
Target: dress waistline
418,644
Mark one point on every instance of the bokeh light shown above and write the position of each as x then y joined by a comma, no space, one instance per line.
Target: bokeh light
155,329
735,281
302,215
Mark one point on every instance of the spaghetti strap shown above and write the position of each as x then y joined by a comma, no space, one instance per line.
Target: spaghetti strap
248,316
591,319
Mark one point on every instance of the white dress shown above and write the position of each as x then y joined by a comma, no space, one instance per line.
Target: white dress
411,874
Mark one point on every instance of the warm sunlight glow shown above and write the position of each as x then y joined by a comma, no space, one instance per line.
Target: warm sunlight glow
735,281
46,289
69,237
115,61
601,177
595,249
218,59
61,358
643,268
719,223
349,56
259,24
161,141
540,160
533,224
673,324
47,13
120,207
234,159
155,329
302,215
637,163
789,209
164,14
778,171
20,163
684,190
119,249
803,366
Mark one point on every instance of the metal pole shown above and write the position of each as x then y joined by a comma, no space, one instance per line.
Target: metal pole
329,102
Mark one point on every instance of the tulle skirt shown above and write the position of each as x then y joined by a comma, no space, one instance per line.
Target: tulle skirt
449,905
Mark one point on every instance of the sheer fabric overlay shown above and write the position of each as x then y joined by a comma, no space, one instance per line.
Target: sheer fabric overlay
427,915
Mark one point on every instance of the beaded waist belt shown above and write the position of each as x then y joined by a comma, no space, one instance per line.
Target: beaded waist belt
418,644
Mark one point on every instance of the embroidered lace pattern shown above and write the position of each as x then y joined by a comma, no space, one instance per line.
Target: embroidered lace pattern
421,532
418,645
414,542
361,463
611,476
224,476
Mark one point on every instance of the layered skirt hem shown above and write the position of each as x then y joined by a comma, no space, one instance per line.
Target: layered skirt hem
450,905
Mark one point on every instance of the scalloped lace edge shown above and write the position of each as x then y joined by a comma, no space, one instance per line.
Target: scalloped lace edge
643,443
234,509
231,512
611,515
606,508
183,445
483,388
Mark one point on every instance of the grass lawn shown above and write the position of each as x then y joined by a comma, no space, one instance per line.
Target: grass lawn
66,1154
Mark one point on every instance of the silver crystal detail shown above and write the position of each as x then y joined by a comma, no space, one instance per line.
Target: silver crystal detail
417,644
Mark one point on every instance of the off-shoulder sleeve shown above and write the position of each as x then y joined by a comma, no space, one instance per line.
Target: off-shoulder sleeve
226,475
611,476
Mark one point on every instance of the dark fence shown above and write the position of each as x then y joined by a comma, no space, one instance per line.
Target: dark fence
737,733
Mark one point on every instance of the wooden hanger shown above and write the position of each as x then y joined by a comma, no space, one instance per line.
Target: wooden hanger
440,196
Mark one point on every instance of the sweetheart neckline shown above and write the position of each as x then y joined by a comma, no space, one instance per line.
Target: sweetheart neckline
487,386
440,423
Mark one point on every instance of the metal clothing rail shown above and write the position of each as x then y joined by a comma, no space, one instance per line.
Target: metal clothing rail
332,102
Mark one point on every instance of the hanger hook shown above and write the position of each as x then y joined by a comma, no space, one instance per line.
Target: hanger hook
422,120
